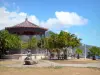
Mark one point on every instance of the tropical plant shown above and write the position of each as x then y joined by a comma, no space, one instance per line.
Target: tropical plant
66,40
94,51
51,42
78,52
62,40
32,43
24,45
8,41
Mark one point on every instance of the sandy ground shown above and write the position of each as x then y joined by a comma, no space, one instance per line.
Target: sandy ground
76,61
57,70
47,63
49,71
73,61
4,62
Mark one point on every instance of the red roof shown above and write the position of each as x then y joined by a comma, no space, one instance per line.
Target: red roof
27,28
27,24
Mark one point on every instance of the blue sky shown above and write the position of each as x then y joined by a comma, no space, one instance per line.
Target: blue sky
81,17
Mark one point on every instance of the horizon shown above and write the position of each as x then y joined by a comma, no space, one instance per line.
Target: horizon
77,17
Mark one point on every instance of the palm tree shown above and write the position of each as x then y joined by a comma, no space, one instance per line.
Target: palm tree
66,40
78,52
61,41
94,51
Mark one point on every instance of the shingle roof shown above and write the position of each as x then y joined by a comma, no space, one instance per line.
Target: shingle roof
26,28
27,24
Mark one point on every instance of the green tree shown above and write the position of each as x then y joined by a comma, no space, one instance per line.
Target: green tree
32,43
66,40
78,52
8,41
74,41
62,40
46,44
94,51
53,43
24,45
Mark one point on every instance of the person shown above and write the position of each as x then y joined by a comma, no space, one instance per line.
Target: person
28,55
29,52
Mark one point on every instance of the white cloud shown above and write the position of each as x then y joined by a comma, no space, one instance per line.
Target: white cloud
22,14
70,18
11,18
62,19
51,22
33,19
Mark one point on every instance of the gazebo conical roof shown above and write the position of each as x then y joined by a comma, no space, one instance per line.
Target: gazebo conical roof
26,28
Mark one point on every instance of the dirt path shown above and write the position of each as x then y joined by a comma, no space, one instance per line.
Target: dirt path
46,63
49,71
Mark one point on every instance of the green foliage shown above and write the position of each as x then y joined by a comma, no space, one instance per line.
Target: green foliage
9,41
59,41
63,39
66,39
46,44
78,51
94,51
24,45
13,41
32,43
40,43
51,42
74,41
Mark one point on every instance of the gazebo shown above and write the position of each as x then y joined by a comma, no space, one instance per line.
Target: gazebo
27,28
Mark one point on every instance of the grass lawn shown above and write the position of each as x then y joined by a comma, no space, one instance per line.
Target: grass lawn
76,61
49,71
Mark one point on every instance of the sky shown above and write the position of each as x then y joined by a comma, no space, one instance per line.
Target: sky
80,17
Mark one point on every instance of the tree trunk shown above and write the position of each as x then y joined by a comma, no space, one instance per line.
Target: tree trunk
78,56
0,54
93,58
65,54
58,54
50,54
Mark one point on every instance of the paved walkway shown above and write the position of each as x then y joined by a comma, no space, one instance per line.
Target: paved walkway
76,65
46,63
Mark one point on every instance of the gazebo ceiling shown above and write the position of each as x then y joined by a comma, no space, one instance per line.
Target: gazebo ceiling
26,28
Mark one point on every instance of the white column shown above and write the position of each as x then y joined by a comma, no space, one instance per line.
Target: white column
85,51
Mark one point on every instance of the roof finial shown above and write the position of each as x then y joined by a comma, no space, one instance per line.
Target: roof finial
26,19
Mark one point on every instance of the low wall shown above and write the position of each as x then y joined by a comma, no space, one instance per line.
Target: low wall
34,56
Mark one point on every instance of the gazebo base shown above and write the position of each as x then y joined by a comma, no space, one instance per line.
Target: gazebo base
34,56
